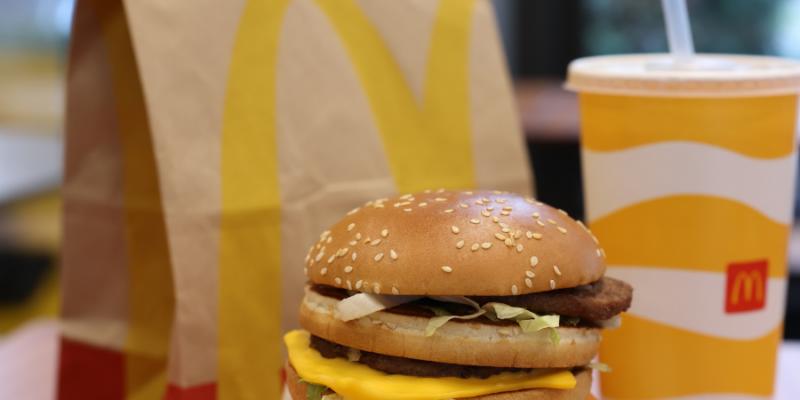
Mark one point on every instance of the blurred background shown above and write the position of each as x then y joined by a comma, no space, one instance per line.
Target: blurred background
540,38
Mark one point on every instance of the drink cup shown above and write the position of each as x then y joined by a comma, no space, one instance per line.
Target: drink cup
689,177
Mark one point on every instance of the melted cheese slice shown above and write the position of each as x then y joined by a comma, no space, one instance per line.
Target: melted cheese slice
355,381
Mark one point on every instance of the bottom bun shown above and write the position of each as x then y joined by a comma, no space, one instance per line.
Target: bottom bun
297,389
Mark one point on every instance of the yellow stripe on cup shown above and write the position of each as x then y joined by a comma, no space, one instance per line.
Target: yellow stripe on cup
150,279
700,233
716,365
429,145
249,263
762,127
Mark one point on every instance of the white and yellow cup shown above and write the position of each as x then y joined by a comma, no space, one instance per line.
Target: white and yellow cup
689,174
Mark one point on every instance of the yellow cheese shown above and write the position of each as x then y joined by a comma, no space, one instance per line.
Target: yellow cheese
355,381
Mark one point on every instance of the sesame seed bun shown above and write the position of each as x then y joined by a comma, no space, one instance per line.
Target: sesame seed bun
455,243
457,342
297,389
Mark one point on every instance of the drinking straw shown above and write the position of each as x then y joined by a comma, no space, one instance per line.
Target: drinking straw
679,32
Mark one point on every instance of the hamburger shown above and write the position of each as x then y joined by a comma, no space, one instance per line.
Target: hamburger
449,295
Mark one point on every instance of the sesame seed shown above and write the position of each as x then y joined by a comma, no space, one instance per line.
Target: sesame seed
534,261
517,234
324,234
353,242
537,236
562,230
308,257
594,238
506,230
500,236
479,202
562,212
503,224
358,235
509,242
406,196
323,271
460,244
507,208
445,268
490,208
455,229
603,252
486,245
599,254
551,221
475,247
359,283
519,248
440,199
440,190
353,211
514,289
376,287
331,258
350,227
556,270
506,213
353,256
395,291
393,254
368,239
342,252
320,254
552,284
540,222
329,239
338,280
528,282
422,204
375,242
407,209
449,210
426,191
464,205
468,193
539,203
497,192
349,285
495,219
385,233
530,274
378,257
475,221
536,215
348,269
486,213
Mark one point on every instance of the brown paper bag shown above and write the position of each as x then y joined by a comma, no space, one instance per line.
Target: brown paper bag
209,142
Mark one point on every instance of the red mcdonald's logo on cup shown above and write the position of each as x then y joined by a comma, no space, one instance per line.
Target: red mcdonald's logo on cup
746,288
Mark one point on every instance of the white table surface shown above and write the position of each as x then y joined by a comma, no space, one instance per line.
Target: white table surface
28,364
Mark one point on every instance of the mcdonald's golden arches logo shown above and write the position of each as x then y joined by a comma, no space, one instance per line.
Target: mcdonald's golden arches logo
746,286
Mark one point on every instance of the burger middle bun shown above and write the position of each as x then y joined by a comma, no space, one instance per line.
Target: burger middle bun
457,342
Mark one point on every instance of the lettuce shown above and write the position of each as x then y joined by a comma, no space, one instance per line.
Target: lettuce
527,320
602,367
314,391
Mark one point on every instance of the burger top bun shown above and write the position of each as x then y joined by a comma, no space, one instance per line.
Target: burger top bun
470,243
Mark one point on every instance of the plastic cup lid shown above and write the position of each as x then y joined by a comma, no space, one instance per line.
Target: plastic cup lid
705,75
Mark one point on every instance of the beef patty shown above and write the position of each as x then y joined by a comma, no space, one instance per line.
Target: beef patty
406,366
596,301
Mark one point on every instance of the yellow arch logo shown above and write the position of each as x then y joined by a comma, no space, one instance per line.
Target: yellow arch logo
746,286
